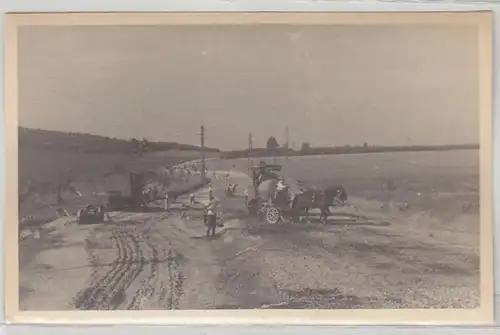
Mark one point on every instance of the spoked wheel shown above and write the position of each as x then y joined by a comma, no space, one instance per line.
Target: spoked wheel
273,215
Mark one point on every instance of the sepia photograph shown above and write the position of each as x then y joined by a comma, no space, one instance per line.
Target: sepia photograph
253,166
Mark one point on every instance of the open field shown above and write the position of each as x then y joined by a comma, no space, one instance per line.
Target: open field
377,255
439,191
443,183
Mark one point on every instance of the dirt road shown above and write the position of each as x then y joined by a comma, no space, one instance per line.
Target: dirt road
361,259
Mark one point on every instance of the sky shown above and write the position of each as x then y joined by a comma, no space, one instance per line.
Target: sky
331,85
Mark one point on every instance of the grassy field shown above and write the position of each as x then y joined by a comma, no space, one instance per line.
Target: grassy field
89,173
445,184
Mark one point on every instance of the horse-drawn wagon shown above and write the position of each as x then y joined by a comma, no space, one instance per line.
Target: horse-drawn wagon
283,199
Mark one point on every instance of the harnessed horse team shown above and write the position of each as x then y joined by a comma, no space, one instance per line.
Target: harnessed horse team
295,204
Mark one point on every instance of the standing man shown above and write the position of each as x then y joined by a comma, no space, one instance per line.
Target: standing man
280,190
211,215
167,203
245,193
210,192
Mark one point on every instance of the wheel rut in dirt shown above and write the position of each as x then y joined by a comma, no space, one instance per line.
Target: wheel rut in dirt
107,292
142,271
146,287
171,290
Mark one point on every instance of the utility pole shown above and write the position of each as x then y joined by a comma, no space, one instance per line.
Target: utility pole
286,137
250,146
203,165
287,144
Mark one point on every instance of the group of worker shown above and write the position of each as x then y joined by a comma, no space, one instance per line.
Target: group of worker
210,208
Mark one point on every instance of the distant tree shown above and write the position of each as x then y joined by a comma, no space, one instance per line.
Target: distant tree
365,145
305,147
135,144
144,145
272,144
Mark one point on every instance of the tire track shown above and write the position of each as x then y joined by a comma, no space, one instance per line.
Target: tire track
104,291
133,267
109,292
158,287
171,290
137,255
175,280
147,286
88,298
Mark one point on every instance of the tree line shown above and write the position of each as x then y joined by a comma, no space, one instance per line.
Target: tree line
273,148
78,142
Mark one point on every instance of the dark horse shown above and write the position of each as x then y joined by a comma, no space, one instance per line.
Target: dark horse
321,199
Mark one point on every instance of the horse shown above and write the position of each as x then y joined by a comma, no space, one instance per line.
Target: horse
321,199
337,195
230,190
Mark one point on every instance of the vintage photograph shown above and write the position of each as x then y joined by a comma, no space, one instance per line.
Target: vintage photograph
270,162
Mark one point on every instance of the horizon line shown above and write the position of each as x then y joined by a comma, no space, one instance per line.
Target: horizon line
258,148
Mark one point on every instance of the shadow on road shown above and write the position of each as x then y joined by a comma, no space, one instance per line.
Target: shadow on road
146,210
310,226
207,238
344,222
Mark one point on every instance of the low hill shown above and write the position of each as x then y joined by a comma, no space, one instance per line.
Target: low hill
77,142
89,163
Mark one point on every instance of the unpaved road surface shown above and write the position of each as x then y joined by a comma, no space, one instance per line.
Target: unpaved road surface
363,258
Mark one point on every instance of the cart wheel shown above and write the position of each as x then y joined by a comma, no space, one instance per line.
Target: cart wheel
273,215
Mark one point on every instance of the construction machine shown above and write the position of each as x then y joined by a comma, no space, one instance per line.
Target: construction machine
91,214
132,198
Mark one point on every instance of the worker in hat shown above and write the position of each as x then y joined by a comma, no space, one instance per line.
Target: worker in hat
280,188
246,194
211,215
